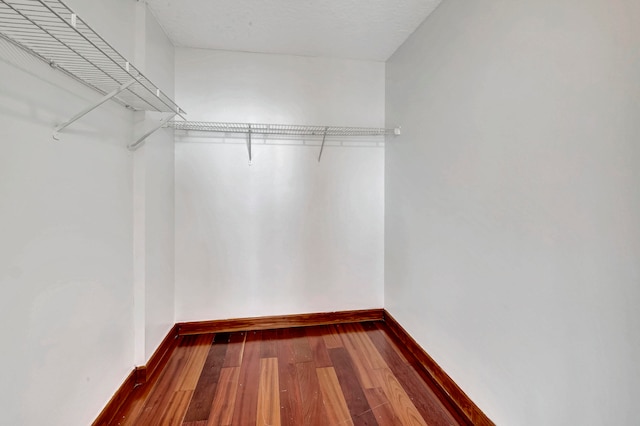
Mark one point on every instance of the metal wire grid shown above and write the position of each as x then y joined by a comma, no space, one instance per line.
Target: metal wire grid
278,129
52,32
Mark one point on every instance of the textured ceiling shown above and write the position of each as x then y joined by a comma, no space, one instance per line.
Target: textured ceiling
357,29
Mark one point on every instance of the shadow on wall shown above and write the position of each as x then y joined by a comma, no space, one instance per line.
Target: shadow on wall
41,104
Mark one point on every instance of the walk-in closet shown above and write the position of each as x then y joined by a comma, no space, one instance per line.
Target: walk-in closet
319,212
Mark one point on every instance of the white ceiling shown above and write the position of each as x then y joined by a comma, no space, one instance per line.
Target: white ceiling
356,29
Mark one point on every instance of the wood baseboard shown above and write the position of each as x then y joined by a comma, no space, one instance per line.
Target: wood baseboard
284,321
159,358
138,377
117,400
454,394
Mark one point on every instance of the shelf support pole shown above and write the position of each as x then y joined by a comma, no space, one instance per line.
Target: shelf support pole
133,146
249,144
324,138
87,110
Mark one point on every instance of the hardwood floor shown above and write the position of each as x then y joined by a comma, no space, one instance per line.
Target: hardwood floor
345,374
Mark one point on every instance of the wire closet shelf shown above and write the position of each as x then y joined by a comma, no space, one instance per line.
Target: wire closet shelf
52,32
280,129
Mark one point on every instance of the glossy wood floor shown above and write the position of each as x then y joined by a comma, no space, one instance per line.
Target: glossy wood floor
349,374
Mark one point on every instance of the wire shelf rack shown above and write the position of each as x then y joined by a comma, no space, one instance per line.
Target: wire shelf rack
51,31
279,129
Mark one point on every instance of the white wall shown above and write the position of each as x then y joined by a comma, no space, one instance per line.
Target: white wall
112,20
287,234
154,195
65,247
66,223
512,205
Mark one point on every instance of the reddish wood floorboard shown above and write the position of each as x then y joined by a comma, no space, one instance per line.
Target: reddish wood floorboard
174,414
247,399
235,349
290,400
301,346
268,412
318,348
268,344
434,408
158,400
332,337
352,390
320,375
210,374
333,398
224,402
382,409
313,412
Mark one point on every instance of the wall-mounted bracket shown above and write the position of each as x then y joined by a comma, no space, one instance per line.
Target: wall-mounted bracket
249,144
87,110
135,145
324,138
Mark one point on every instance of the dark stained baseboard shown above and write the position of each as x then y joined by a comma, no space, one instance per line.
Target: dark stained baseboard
454,394
116,401
159,358
285,321
138,377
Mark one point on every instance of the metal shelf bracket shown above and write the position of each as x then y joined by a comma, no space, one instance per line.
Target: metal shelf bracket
135,145
87,110
324,138
249,144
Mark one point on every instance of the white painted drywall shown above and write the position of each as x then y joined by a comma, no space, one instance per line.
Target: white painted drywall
112,20
65,246
158,151
66,220
512,205
153,175
287,234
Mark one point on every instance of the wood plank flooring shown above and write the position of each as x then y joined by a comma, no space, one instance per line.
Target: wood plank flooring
345,374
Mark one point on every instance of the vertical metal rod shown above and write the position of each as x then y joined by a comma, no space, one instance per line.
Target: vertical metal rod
324,138
163,122
84,112
249,144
